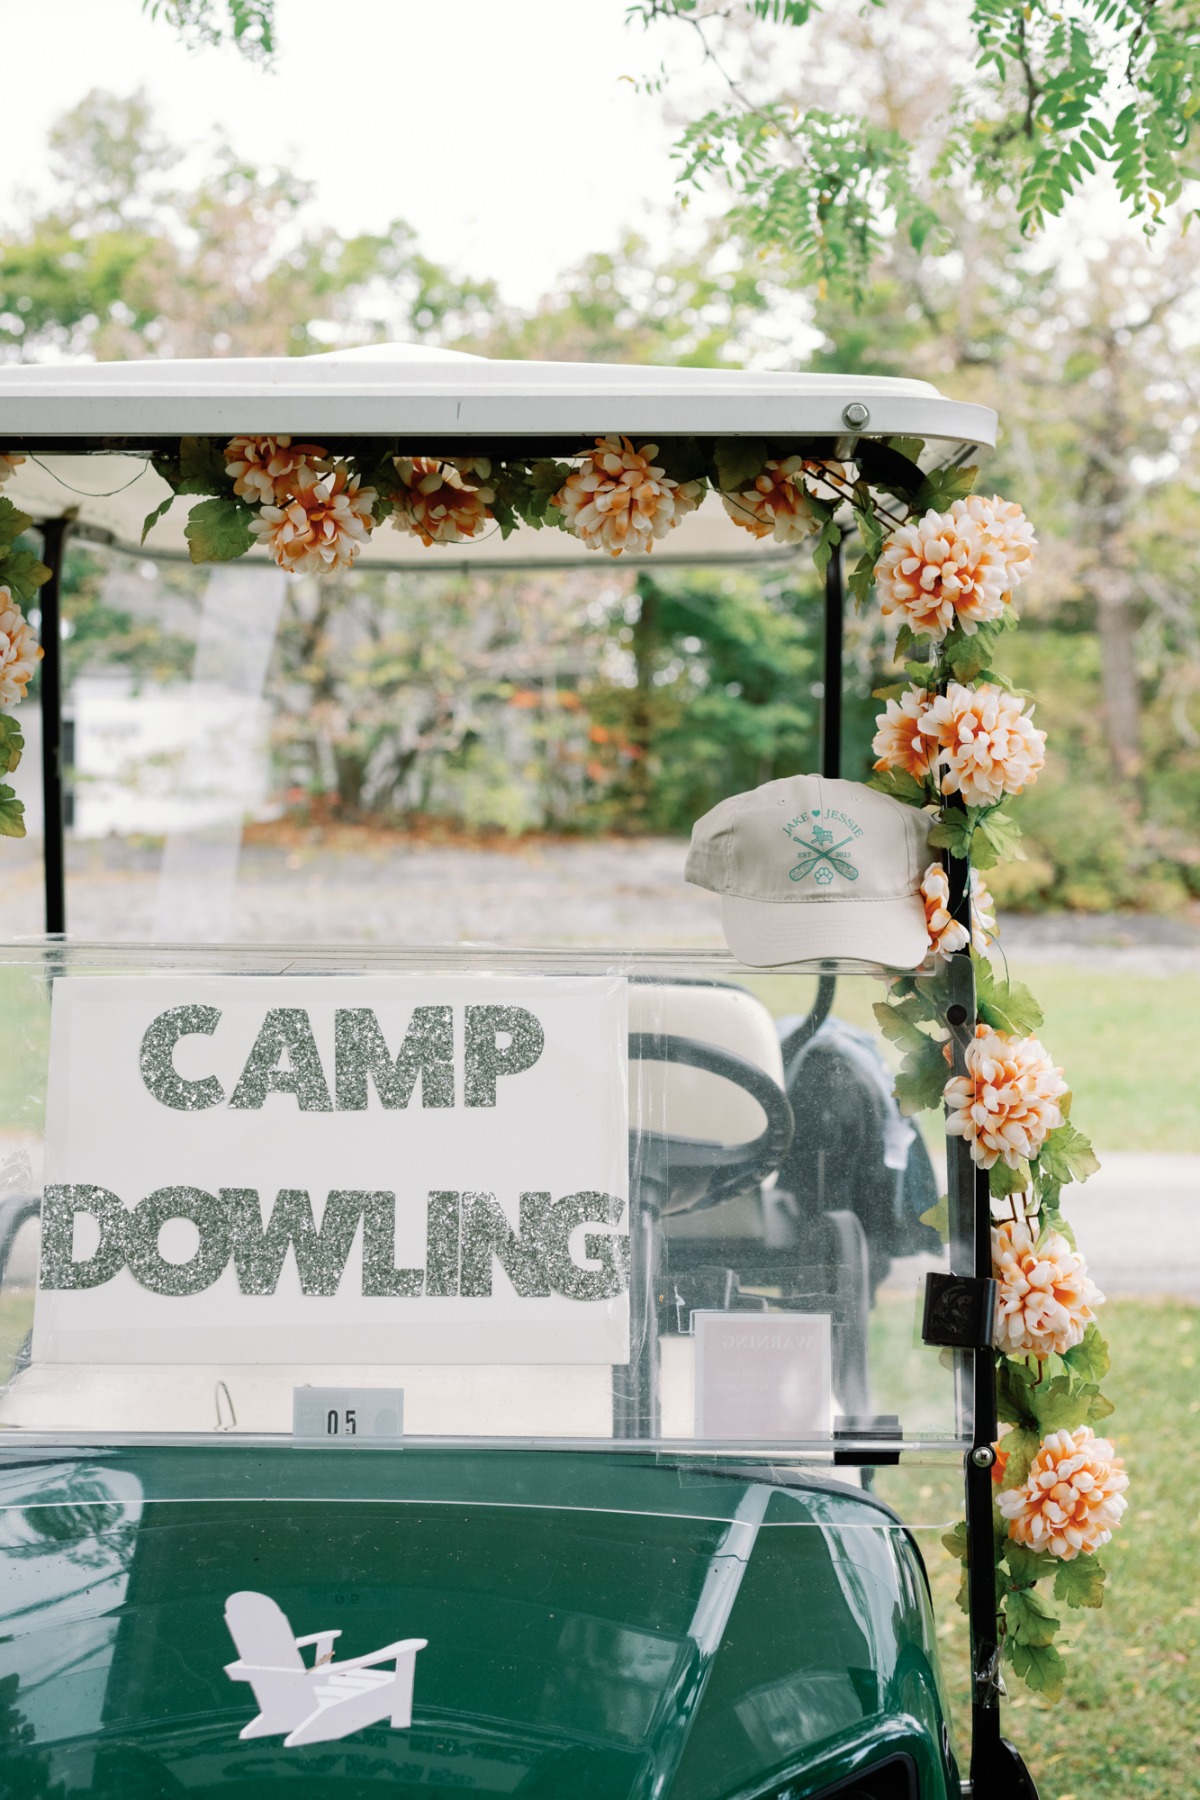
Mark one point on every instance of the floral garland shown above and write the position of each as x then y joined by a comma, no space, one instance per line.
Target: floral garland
21,575
953,738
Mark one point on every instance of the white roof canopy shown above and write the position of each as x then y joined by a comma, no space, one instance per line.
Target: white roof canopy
441,401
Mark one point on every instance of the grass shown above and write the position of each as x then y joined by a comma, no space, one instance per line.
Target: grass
1128,1726
1127,1042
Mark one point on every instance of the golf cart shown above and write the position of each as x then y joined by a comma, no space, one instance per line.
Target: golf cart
482,1360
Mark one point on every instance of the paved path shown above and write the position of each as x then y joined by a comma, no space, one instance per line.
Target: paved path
1138,1223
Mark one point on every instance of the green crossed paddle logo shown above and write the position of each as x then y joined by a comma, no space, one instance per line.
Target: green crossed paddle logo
822,858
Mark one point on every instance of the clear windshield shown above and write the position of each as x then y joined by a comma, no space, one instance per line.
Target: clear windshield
588,1198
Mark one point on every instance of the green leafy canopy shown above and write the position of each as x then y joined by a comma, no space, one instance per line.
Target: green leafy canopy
1055,96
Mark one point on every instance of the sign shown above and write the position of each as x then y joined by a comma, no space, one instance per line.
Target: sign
350,1169
765,1376
347,1413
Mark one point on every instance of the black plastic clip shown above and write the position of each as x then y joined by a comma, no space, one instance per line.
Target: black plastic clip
960,1311
850,1429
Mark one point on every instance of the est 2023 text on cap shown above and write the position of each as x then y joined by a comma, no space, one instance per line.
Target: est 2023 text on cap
811,869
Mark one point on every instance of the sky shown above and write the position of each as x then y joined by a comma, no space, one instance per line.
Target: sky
503,133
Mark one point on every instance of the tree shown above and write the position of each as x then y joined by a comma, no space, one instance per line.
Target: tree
249,24
1050,95
123,262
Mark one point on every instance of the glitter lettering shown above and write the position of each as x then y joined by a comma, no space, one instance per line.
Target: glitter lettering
485,1058
284,1028
427,1051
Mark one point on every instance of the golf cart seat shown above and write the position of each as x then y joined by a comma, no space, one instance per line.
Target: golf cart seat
713,1135
853,1150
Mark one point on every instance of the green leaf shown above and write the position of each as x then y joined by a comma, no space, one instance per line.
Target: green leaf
1020,1446
1040,1667
900,785
1080,1582
953,832
12,743
937,1217
943,486
1031,1619
921,1082
1001,832
1014,1385
1005,1005
12,523
828,539
21,571
1089,1360
12,814
738,461
1025,1565
969,656
152,518
1002,1180
956,1541
202,469
1067,1155
219,530
684,459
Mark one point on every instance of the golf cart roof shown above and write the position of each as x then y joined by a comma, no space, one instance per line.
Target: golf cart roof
436,402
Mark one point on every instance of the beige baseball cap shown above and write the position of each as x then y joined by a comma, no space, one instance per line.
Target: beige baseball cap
809,869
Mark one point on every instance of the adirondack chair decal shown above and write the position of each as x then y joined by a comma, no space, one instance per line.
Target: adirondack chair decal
314,1702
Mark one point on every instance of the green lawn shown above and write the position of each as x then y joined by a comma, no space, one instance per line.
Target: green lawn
1128,1044
1128,1727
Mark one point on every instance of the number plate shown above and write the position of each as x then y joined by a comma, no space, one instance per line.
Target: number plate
337,1415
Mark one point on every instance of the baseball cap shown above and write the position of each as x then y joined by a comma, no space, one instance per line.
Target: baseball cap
810,868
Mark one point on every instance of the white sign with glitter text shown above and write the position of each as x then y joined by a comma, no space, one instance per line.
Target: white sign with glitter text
341,1168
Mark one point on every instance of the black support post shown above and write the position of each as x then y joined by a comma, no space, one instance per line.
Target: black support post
993,1762
831,704
54,533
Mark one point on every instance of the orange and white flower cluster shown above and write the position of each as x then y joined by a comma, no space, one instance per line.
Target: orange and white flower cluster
1072,1500
946,935
620,499
314,516
900,742
776,504
20,653
955,568
320,527
265,469
980,742
8,464
433,500
1007,1103
1046,1297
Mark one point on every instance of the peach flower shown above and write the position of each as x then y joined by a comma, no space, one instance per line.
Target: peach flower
946,935
987,744
19,651
1005,523
1006,1104
620,499
775,504
942,570
322,527
434,502
7,466
1073,1498
1046,1295
898,743
264,469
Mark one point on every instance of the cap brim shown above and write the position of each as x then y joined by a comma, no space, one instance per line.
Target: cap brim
764,933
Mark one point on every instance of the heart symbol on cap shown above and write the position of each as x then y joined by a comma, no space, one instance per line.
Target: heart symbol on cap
816,812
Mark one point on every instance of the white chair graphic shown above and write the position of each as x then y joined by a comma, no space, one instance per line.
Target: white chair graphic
315,1702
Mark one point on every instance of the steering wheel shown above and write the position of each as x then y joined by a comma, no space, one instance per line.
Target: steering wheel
716,1171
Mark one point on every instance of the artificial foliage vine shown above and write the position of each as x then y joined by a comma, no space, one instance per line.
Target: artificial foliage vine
21,575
